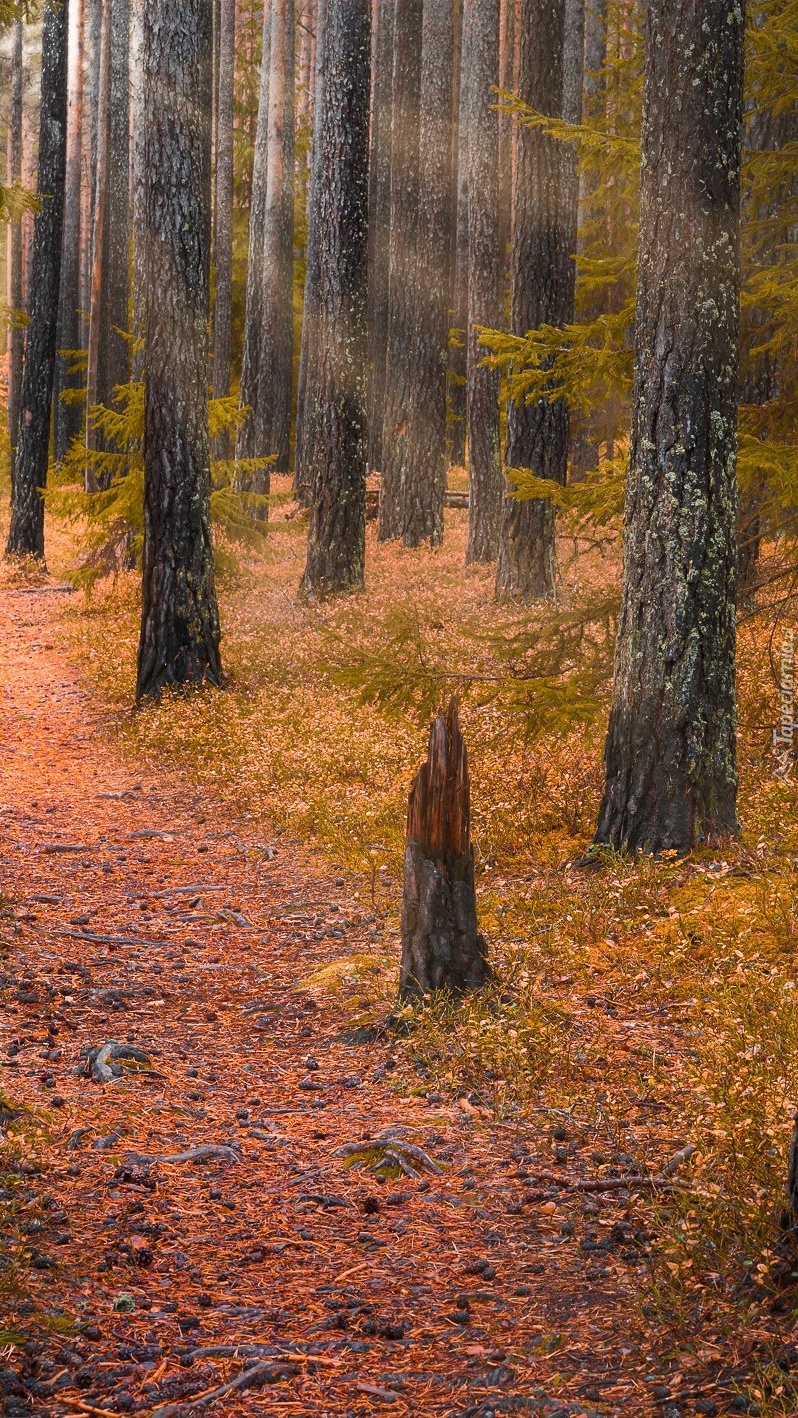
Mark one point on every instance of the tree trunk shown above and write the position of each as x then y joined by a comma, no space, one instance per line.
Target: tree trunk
137,186
100,156
26,534
114,352
336,537
441,944
424,483
542,292
484,280
16,336
379,222
255,299
670,755
223,206
399,390
458,356
179,621
68,417
276,365
269,368
306,412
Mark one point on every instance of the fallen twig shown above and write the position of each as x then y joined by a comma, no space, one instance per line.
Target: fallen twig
248,1378
96,939
209,1152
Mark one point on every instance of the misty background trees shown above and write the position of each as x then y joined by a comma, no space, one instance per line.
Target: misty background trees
412,255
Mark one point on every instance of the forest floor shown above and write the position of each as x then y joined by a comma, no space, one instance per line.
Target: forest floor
513,1274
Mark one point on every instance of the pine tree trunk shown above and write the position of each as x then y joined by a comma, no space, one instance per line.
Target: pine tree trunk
179,622
484,280
67,417
399,389
26,533
337,532
276,364
425,473
16,336
137,185
670,755
379,221
223,206
100,157
247,445
113,347
309,346
441,944
458,355
541,293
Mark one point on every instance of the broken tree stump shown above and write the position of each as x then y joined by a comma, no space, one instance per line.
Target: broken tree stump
441,944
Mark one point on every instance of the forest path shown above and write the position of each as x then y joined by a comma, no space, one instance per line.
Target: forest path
136,909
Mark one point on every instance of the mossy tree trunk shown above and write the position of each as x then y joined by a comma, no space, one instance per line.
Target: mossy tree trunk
670,756
441,944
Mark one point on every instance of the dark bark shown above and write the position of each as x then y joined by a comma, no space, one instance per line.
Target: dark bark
484,280
223,204
441,944
379,221
137,186
113,367
255,298
761,369
542,292
16,337
424,474
309,347
270,374
458,355
179,622
100,171
336,536
26,533
68,417
587,429
670,755
399,390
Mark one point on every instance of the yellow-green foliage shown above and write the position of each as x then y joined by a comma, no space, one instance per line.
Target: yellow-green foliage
113,516
590,360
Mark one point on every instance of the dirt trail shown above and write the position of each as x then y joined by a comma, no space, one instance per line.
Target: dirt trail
135,909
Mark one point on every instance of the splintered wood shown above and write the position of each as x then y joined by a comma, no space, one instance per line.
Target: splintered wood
441,944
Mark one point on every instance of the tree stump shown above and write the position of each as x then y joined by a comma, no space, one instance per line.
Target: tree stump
441,945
